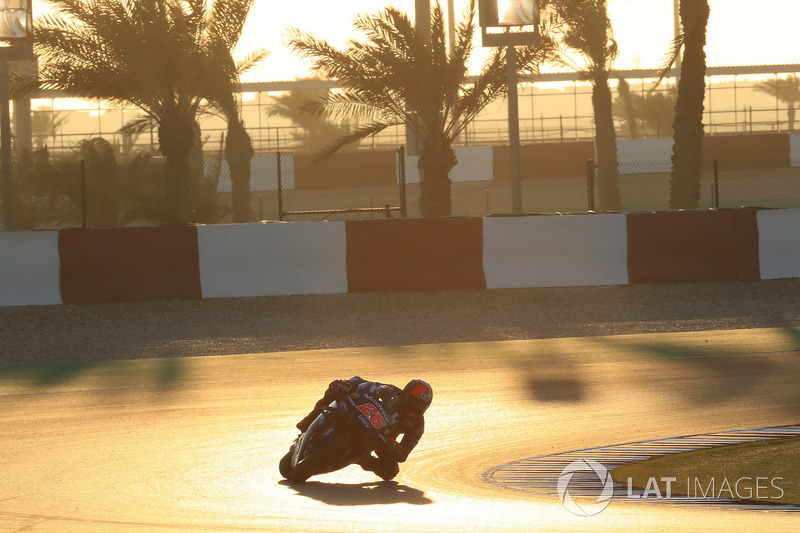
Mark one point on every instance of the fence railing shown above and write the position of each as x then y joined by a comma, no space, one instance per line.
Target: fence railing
60,193
645,185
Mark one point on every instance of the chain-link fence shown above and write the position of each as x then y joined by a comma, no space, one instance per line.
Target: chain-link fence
65,191
92,190
347,185
645,185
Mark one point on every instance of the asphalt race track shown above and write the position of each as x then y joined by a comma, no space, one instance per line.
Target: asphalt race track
193,444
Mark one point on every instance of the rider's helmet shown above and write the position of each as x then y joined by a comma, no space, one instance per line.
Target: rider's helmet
418,396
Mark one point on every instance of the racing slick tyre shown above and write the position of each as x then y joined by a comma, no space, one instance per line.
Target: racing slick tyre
285,466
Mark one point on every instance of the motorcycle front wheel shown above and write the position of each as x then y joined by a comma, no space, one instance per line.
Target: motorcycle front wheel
333,453
285,466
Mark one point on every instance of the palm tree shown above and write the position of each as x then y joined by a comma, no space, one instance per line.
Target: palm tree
100,197
225,22
687,148
787,90
46,123
316,129
586,29
397,77
628,106
654,110
147,53
657,109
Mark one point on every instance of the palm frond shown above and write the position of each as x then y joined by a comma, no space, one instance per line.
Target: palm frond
583,26
227,19
137,126
670,58
361,132
22,86
250,60
393,76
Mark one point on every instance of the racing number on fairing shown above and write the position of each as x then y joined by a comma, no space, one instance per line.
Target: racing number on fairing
372,414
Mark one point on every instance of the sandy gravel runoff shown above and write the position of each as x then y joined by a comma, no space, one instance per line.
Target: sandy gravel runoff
33,334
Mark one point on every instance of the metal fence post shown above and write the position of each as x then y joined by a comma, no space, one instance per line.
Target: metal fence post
590,183
280,188
716,184
83,193
401,154
5,149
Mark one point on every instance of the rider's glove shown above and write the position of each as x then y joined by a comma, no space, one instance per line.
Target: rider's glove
341,385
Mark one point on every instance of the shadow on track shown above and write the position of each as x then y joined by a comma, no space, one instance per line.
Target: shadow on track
372,493
164,372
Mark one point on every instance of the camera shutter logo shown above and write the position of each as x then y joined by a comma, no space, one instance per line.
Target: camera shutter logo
601,478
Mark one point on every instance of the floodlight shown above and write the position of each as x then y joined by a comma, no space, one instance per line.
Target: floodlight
495,13
15,19
503,22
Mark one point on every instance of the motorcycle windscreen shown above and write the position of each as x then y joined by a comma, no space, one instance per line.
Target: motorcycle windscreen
376,405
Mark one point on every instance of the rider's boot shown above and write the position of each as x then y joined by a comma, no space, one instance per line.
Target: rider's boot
384,469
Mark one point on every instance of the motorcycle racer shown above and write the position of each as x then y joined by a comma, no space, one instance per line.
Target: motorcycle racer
415,398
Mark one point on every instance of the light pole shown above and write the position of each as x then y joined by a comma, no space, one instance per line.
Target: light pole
451,26
504,15
513,131
676,21
422,21
422,18
16,43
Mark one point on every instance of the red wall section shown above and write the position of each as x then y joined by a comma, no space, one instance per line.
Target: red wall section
545,160
415,254
681,246
737,152
346,169
129,264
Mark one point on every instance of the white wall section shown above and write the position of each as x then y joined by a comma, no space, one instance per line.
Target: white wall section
475,163
794,149
638,156
240,260
29,268
555,251
779,243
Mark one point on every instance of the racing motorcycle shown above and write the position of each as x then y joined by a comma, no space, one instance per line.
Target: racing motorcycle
345,432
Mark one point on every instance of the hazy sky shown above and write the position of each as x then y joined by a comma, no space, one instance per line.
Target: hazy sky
740,32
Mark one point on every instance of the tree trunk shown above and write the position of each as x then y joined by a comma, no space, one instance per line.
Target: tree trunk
238,153
434,171
101,192
627,99
687,148
606,141
176,140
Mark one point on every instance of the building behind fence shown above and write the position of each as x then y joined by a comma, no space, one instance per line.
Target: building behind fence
553,107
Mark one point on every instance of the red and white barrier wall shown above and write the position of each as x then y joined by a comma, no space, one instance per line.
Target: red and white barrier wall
779,243
78,266
29,268
281,258
555,251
